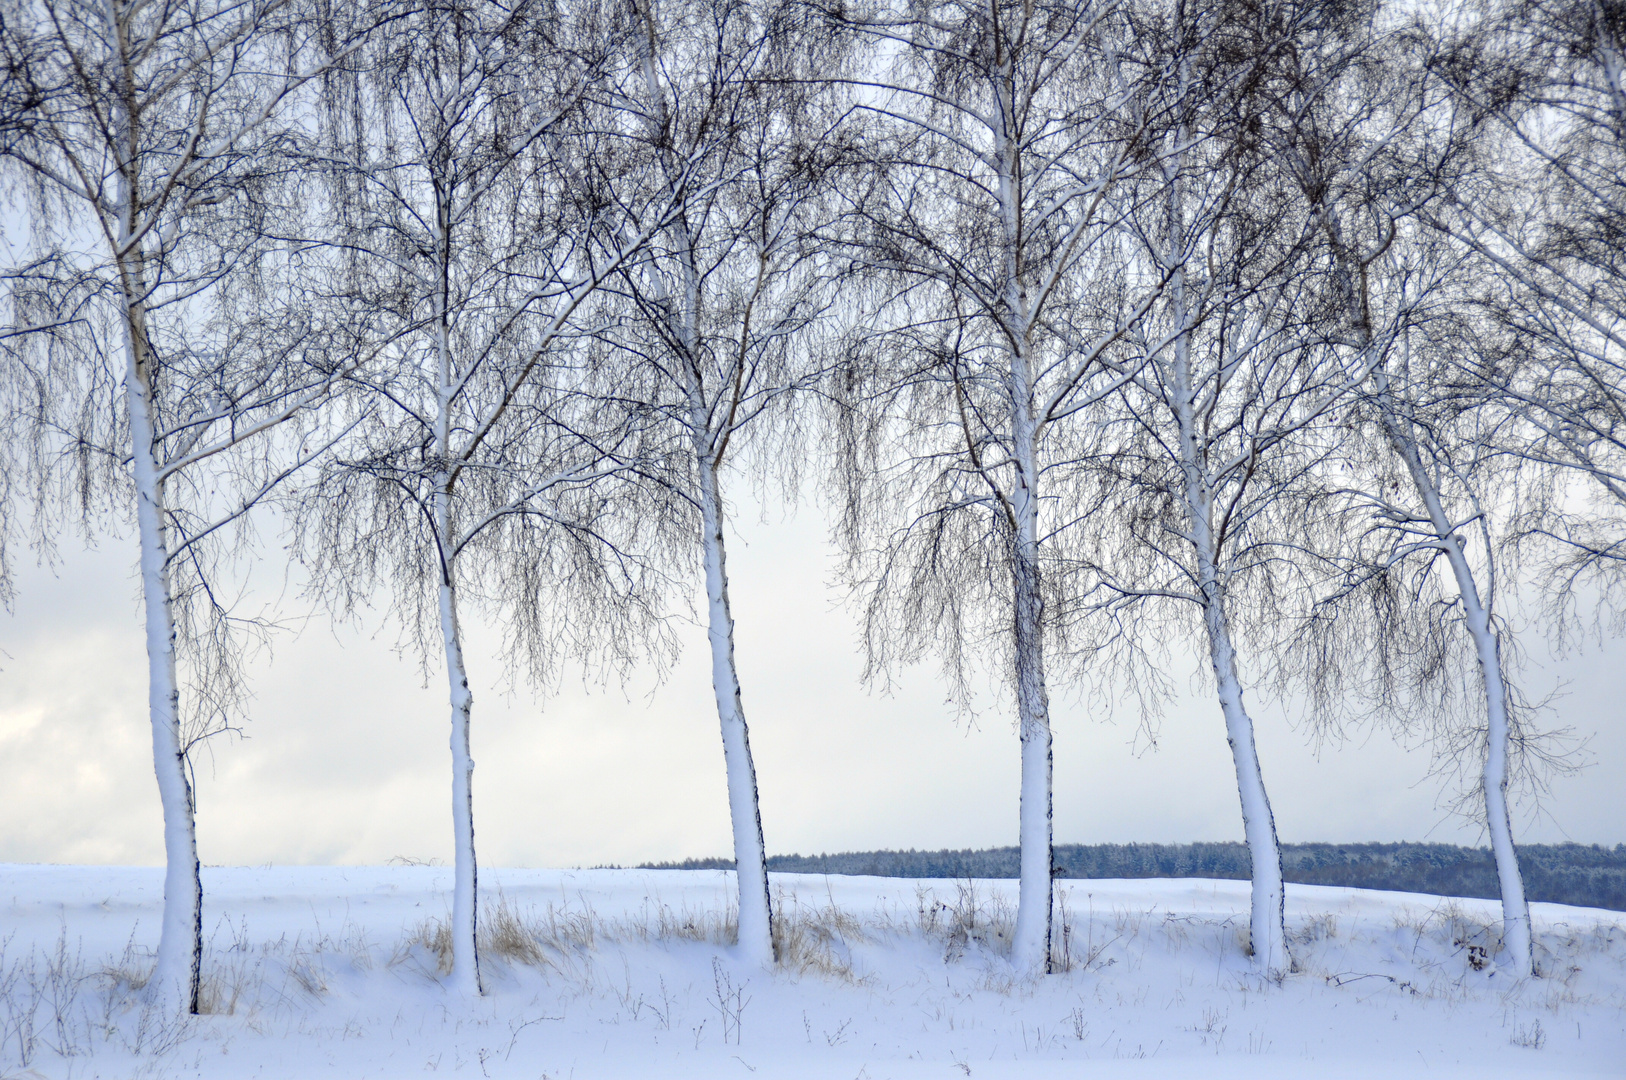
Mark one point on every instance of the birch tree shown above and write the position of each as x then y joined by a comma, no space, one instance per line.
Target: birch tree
712,331
1373,149
1001,134
471,194
1207,466
166,357
1430,502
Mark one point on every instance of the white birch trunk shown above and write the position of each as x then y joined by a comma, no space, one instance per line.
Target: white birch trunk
1516,931
1516,934
1267,925
750,855
176,975
465,878
175,979
465,891
1030,947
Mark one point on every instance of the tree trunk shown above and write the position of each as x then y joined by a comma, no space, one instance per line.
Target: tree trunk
1267,918
175,979
465,876
1516,933
465,885
1030,948
750,855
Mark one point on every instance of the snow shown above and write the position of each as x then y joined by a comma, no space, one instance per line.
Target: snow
325,972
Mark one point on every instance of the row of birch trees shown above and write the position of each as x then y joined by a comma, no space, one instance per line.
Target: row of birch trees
1283,333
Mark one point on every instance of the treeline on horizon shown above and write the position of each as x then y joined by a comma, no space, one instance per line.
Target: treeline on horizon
1579,874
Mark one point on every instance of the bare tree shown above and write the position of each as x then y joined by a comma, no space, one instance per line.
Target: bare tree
1208,466
166,357
1431,498
1377,151
472,195
712,332
1001,135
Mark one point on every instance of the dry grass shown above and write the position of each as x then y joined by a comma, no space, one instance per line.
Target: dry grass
562,938
817,939
507,934
434,936
1475,939
1315,928
808,937
662,923
972,919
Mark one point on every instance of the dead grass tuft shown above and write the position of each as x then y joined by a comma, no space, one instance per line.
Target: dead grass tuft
1316,928
435,937
504,936
971,919
662,923
817,939
539,939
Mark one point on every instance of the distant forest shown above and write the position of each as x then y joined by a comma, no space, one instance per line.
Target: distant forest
1586,876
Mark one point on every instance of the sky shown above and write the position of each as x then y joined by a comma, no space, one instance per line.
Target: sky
345,759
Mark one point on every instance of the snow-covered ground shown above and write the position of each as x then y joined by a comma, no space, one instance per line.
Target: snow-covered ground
333,972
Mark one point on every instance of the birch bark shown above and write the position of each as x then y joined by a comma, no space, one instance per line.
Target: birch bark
1267,914
750,862
465,884
1516,934
465,890
710,428
1030,947
175,982
176,977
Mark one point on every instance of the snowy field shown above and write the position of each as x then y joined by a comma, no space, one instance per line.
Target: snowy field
333,972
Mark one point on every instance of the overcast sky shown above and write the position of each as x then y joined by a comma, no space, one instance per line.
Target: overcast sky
346,757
